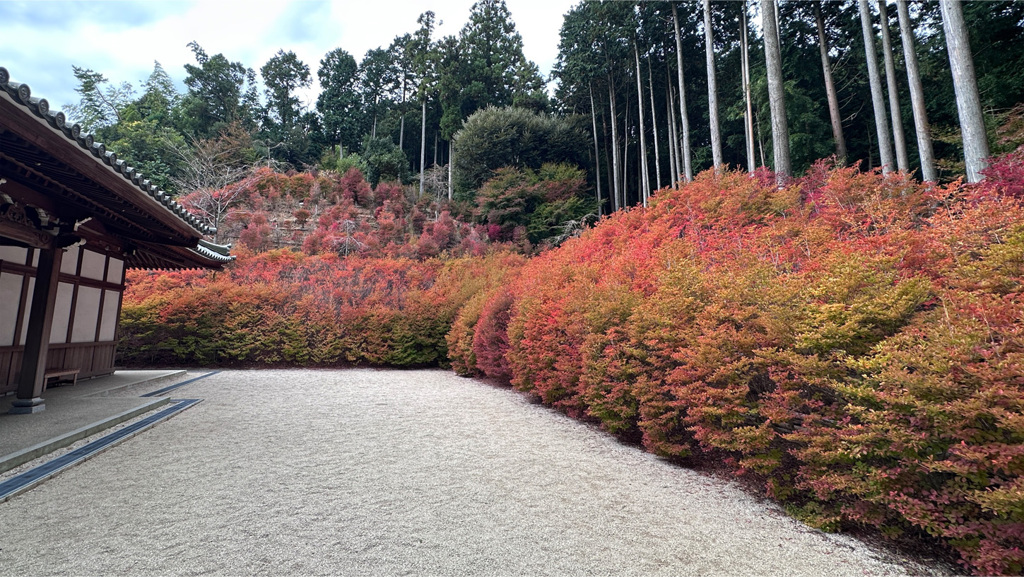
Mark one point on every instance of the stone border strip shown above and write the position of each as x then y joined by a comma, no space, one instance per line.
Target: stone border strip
33,477
170,376
164,390
23,456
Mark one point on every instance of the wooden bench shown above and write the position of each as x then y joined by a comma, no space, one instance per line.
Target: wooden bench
60,376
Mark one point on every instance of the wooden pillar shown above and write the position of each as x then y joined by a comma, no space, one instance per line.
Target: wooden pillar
37,339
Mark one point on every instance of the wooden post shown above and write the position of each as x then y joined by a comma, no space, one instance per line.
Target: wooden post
37,340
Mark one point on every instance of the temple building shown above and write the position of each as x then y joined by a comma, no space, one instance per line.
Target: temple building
73,218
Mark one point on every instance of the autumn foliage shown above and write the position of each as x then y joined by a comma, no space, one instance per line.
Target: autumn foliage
285,307
332,212
852,342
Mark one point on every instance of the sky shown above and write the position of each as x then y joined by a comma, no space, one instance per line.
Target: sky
40,40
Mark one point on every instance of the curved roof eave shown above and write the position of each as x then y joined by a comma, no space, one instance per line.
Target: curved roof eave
146,194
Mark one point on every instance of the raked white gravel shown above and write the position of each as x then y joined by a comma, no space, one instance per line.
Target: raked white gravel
360,472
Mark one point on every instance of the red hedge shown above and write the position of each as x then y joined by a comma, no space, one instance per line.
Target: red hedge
853,340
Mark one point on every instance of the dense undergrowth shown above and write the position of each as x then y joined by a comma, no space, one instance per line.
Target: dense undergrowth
853,341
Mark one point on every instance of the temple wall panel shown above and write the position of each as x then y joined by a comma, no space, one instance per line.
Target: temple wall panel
62,313
94,265
108,319
85,314
10,284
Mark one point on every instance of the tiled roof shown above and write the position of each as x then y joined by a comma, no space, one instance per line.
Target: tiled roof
22,94
214,252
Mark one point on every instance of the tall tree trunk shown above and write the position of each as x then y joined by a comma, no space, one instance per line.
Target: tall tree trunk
778,28
877,99
902,162
373,131
451,163
435,149
709,51
776,91
673,159
597,150
607,155
423,146
687,164
654,125
968,102
745,63
760,139
625,156
401,130
924,138
830,87
615,146
645,182
641,187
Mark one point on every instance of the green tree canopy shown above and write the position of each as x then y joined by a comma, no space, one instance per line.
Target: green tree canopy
283,75
378,80
384,161
493,138
486,67
101,104
215,95
339,103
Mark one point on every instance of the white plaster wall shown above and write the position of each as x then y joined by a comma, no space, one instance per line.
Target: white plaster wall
87,312
93,264
108,325
115,270
61,313
14,254
69,262
10,297
28,310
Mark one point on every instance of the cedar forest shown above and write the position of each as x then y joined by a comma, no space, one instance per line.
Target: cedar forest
783,238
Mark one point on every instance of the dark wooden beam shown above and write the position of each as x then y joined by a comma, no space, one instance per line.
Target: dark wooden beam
36,132
37,341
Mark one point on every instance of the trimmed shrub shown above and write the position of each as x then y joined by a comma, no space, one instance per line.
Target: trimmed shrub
852,341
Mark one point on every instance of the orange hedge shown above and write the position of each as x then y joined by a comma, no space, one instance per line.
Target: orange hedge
855,341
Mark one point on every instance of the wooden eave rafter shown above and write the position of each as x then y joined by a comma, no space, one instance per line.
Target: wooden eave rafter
40,157
73,189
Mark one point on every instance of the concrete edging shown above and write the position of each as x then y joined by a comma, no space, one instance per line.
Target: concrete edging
167,377
23,456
